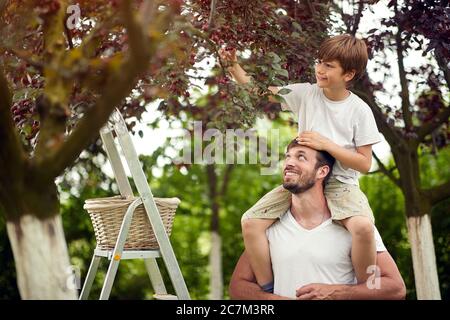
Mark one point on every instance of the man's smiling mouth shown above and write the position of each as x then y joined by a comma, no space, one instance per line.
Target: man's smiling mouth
290,173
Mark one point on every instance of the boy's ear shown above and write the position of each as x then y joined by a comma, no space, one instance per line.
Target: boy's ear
349,75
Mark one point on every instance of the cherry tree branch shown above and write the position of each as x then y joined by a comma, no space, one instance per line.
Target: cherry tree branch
435,123
386,171
117,88
407,116
12,156
438,193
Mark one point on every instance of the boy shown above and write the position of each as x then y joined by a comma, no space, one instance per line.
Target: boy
333,119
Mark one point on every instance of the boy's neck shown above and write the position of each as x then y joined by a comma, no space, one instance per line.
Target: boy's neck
336,94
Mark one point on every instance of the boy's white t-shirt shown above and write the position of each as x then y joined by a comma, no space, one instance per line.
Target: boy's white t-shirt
301,256
349,123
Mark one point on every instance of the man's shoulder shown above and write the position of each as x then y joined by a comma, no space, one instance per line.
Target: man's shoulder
279,222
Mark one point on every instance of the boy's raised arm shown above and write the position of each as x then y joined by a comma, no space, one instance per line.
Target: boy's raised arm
238,73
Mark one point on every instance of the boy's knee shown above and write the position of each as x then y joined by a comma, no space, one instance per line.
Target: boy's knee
254,226
362,227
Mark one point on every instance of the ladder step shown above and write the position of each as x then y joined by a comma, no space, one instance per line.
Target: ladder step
165,297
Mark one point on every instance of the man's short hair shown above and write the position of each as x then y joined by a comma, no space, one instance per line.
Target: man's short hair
323,158
350,51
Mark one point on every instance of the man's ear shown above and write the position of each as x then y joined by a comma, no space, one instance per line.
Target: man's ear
322,172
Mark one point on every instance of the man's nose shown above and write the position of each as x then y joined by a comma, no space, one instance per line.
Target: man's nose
289,164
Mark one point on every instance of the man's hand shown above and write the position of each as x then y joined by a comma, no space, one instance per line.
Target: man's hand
313,140
317,291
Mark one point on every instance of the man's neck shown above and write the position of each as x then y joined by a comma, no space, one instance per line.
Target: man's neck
310,205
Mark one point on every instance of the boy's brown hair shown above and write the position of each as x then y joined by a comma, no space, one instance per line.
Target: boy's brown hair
348,50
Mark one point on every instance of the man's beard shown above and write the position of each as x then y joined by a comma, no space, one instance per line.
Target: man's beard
300,186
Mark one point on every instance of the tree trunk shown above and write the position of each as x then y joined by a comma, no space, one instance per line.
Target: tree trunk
215,260
215,257
424,258
41,258
417,209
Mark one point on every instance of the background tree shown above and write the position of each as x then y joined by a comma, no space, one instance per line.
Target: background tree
59,83
57,88
419,122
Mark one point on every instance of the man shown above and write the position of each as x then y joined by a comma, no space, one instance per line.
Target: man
311,254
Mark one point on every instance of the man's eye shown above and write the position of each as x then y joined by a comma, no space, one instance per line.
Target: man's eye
302,157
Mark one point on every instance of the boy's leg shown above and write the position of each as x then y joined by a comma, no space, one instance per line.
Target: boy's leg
257,248
255,222
363,245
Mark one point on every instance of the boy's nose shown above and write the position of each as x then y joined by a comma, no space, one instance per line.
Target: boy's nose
319,68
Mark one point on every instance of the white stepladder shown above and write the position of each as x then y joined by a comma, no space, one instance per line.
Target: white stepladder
117,124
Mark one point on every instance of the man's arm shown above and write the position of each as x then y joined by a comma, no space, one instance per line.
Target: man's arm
389,286
243,284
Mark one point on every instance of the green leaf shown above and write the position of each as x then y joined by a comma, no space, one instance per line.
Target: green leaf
297,26
276,66
279,99
283,73
275,57
284,91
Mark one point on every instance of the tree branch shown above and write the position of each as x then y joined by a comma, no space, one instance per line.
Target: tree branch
438,193
443,65
68,35
12,156
117,88
312,11
146,12
386,171
211,14
392,134
358,17
435,123
342,14
213,196
407,116
27,57
2,6
52,105
226,179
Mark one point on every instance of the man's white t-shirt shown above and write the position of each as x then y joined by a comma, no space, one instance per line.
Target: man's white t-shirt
320,255
349,123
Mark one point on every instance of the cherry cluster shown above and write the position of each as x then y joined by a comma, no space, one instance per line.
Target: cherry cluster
24,115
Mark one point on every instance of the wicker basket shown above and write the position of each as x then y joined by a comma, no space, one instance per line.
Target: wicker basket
107,215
